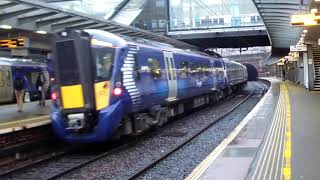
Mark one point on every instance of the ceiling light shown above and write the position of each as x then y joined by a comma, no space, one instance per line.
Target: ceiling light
5,26
317,0
41,32
305,31
303,35
314,10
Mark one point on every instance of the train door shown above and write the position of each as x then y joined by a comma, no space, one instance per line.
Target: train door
2,87
171,75
6,91
8,83
214,74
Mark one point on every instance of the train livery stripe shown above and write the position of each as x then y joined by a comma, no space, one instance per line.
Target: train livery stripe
72,96
128,79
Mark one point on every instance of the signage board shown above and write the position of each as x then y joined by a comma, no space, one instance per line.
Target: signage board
12,43
298,48
309,19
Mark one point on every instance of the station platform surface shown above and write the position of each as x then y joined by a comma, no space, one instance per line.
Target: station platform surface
32,115
278,139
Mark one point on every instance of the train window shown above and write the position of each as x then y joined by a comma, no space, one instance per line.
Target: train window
1,78
193,69
200,69
205,70
184,69
103,58
137,67
68,64
218,64
8,78
155,68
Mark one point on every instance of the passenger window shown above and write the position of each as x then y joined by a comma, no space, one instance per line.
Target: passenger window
137,67
155,68
184,69
193,69
206,70
200,70
1,78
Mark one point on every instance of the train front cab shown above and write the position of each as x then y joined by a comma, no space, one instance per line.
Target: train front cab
82,111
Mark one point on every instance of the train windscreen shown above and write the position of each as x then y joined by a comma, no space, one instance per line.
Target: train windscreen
103,58
67,63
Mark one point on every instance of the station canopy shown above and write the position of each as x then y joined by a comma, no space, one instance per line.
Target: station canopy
276,15
38,16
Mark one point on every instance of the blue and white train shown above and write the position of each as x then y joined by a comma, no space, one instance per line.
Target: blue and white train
109,85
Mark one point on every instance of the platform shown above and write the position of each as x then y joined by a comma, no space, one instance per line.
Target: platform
279,139
32,116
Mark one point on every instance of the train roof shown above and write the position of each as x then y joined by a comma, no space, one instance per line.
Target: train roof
121,40
20,62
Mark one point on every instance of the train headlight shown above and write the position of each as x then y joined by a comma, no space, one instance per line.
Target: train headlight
117,91
54,96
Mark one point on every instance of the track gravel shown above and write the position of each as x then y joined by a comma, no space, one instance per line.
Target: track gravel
123,164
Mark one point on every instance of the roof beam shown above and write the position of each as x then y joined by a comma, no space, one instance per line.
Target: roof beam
119,8
8,5
52,20
16,13
81,26
58,26
28,19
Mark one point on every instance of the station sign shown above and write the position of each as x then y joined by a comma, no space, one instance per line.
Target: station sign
309,19
12,43
298,48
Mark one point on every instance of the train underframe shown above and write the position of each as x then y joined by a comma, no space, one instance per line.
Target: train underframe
157,116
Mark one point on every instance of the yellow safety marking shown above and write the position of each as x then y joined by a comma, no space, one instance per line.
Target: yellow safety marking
72,96
199,170
277,149
265,147
102,94
286,169
24,120
271,144
279,153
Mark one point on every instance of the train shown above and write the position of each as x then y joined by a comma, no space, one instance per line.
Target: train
9,67
109,85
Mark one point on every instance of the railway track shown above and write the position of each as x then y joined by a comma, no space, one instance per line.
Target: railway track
165,156
69,161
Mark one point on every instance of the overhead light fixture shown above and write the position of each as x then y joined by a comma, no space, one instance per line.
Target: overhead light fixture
305,31
303,35
41,32
314,10
317,0
5,26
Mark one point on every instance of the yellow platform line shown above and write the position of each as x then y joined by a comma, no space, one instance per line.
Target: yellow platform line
286,169
280,150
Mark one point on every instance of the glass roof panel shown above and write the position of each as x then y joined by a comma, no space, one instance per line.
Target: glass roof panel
97,8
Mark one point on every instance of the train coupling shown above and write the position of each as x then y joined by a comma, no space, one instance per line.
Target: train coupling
75,121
